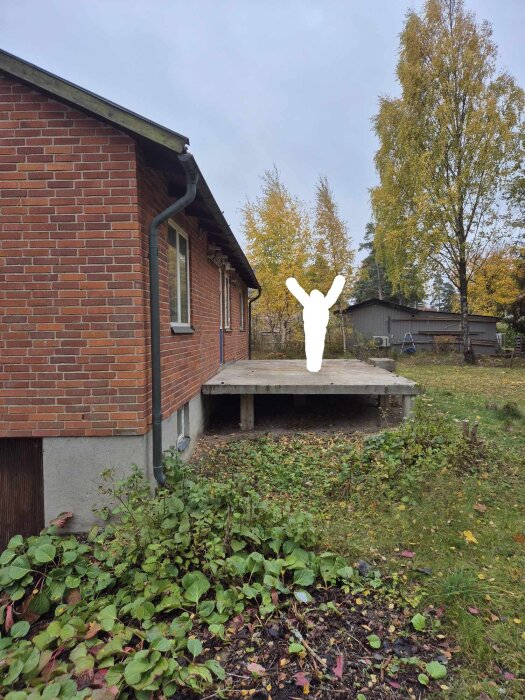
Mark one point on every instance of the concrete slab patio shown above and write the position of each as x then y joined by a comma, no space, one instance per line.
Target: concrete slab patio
352,377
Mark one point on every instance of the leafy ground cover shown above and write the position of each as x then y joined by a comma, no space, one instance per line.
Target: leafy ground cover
440,511
207,590
319,566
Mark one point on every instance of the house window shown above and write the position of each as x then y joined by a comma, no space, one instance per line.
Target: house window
183,427
241,310
227,302
179,276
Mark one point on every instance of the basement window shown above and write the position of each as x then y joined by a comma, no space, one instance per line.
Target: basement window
179,277
183,427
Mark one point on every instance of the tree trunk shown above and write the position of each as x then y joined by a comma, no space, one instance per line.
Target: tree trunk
468,353
284,334
379,289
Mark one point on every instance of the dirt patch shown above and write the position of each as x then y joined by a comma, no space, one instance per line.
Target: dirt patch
337,661
283,413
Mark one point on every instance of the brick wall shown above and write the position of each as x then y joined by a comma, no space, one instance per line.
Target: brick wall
188,360
71,309
74,278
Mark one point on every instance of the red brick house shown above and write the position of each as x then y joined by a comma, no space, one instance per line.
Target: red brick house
81,181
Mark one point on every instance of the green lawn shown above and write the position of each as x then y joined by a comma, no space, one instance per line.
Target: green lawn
486,394
443,515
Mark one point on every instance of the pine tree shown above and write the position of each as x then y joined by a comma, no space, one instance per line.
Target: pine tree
443,294
372,280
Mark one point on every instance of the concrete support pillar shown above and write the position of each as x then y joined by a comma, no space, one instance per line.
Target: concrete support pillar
383,402
408,405
247,412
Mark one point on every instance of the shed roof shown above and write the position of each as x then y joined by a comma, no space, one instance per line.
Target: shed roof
415,311
161,147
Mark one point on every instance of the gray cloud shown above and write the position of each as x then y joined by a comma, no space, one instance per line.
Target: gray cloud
251,82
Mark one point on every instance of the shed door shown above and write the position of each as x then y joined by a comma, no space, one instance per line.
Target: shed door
21,488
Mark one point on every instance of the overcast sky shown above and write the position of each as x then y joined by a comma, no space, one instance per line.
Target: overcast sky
252,83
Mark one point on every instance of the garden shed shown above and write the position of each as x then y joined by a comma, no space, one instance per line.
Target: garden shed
429,329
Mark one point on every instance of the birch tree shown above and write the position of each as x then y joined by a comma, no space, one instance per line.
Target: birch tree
277,229
448,147
333,254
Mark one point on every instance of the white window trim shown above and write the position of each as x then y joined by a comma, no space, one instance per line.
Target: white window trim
179,232
227,302
221,297
241,310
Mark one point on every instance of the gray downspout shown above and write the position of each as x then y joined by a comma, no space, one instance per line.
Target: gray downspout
250,302
192,176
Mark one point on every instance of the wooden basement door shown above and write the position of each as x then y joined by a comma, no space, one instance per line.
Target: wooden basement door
21,488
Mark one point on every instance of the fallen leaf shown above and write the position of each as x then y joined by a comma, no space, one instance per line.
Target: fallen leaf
84,679
93,629
74,596
519,537
256,668
9,621
407,554
468,535
61,519
105,693
481,507
301,680
338,668
473,611
508,676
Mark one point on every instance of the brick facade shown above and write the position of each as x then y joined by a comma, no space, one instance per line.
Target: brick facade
75,205
187,361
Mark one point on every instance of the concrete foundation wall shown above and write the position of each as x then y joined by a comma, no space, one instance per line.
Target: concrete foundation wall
73,465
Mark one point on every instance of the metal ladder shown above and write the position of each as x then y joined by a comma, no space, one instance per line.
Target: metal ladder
408,341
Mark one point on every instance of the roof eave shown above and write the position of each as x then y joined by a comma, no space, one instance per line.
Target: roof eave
209,200
149,133
89,102
410,309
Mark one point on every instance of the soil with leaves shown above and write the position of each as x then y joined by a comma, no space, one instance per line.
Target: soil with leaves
207,590
436,504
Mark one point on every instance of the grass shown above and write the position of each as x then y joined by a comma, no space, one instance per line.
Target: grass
495,396
450,530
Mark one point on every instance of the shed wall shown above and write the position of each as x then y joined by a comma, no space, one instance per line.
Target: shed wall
377,319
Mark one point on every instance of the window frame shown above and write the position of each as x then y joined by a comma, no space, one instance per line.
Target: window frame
179,232
241,309
227,302
221,297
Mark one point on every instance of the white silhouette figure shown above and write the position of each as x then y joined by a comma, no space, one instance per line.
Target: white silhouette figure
315,317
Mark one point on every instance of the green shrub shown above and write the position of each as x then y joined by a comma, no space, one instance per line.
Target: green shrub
131,601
